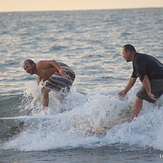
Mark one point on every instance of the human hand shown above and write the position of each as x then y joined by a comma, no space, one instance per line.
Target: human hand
122,94
63,73
152,96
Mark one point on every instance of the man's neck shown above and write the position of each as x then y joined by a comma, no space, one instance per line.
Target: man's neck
133,55
35,70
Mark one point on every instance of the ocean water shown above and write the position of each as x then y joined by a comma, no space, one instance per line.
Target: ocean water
90,42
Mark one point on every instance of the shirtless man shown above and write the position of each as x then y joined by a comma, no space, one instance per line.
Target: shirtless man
56,76
150,72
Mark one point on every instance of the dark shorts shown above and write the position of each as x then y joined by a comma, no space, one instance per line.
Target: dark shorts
156,89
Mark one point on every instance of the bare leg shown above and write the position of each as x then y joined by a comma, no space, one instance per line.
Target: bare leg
137,107
45,97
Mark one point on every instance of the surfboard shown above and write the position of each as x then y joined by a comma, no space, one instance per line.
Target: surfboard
16,121
12,125
100,128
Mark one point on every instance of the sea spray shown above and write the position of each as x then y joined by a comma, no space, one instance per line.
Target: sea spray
62,128
32,101
59,129
144,131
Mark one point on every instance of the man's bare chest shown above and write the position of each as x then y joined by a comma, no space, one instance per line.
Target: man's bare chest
46,73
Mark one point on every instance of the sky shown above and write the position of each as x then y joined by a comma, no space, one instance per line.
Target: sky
46,5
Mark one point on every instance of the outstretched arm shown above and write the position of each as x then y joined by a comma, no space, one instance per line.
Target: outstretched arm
127,88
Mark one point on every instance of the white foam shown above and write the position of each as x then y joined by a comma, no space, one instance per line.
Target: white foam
59,131
145,131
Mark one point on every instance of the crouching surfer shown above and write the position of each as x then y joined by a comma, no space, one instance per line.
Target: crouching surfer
56,76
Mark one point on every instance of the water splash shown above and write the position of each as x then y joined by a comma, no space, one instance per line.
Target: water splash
93,119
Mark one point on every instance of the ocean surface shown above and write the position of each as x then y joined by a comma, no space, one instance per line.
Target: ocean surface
90,42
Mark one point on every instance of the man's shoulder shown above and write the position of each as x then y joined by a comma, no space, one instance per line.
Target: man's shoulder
42,63
39,63
144,56
140,59
141,56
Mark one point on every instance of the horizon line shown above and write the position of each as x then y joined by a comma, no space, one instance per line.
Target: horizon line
80,9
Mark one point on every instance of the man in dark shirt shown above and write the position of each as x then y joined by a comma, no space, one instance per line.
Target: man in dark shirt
150,72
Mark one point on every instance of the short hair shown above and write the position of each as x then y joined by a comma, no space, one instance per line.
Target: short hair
129,47
30,61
